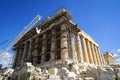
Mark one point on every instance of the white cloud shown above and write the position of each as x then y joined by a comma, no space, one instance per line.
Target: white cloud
116,53
118,50
117,58
6,59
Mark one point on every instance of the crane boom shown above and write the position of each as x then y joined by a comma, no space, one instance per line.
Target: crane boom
3,42
22,33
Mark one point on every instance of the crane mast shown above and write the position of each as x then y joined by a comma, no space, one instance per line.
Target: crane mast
21,34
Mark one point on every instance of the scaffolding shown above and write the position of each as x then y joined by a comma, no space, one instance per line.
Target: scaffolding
30,26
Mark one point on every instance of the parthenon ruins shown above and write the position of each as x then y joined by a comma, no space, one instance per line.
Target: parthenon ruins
57,42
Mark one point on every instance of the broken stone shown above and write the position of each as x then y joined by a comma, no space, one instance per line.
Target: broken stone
53,71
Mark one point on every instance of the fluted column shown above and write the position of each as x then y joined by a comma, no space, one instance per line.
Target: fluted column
96,54
24,52
43,47
79,49
90,53
53,45
16,57
64,43
35,52
30,50
84,50
104,62
98,59
93,53
99,55
73,44
101,59
20,55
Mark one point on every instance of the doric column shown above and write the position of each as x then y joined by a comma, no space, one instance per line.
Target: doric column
100,55
79,49
93,53
84,50
104,62
43,47
97,54
24,52
53,45
30,50
16,57
35,52
64,43
90,52
20,55
100,60
73,45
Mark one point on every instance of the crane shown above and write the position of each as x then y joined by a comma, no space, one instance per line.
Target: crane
21,34
3,42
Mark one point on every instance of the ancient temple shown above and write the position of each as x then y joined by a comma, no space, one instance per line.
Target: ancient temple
58,42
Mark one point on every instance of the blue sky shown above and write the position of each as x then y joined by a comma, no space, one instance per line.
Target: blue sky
99,18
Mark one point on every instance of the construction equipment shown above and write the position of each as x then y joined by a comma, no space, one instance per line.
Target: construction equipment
22,33
3,42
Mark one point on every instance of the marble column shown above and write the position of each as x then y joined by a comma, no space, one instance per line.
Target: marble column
35,52
53,45
79,49
24,52
20,51
100,55
30,50
90,52
16,57
84,50
96,54
20,55
93,53
104,62
98,59
73,45
43,47
64,43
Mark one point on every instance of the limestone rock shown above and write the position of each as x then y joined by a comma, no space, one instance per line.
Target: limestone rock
53,71
71,74
63,72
